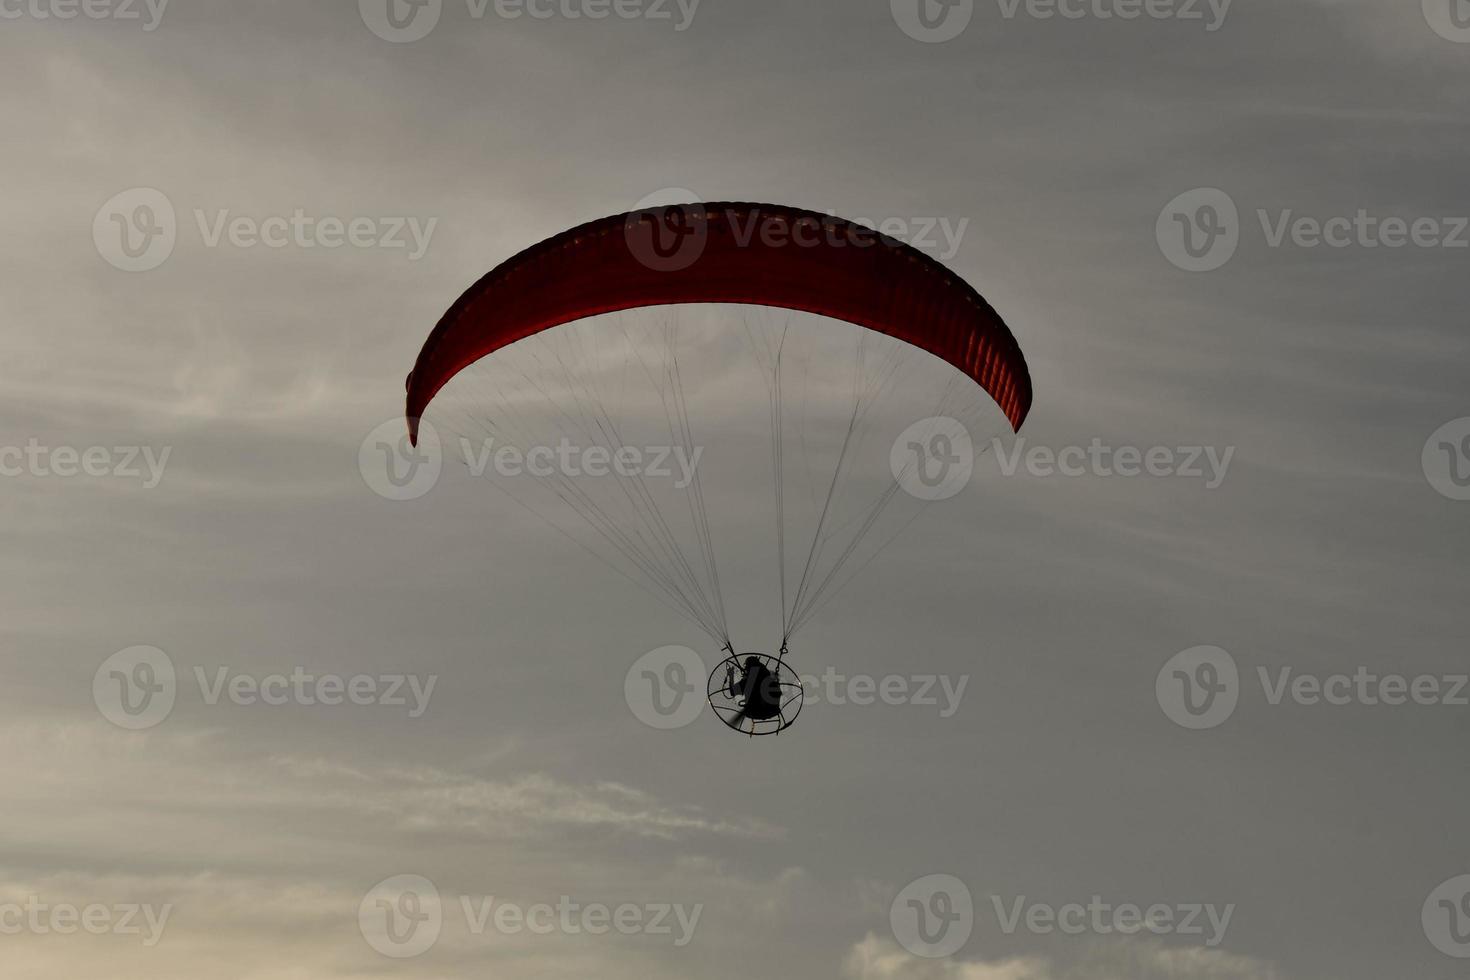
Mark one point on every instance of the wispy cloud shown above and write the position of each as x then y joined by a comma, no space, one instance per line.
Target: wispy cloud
875,958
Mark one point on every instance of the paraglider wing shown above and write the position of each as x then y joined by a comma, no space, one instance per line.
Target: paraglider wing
754,254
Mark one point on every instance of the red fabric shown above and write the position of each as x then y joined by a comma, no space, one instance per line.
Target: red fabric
748,254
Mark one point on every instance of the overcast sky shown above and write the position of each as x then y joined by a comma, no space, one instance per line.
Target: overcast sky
227,386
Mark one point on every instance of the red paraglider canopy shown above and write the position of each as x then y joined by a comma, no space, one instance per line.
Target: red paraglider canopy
754,254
